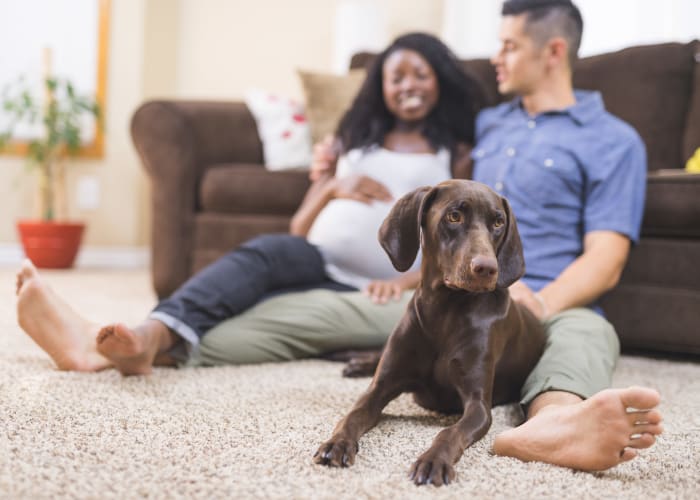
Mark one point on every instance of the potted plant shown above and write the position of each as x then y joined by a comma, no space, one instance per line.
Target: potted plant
50,240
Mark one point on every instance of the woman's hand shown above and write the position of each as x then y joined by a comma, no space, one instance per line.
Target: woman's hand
359,188
325,157
381,291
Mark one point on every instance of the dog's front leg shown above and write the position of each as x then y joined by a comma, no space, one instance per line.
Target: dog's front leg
398,368
341,448
475,387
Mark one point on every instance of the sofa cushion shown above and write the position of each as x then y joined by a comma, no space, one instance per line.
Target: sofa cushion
664,262
691,142
649,87
655,318
672,204
216,234
251,189
328,97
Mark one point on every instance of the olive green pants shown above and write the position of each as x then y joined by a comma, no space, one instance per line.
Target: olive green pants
580,355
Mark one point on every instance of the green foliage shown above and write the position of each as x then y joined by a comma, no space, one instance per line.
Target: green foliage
60,120
60,117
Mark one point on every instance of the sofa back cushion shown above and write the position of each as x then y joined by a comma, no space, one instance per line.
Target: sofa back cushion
651,87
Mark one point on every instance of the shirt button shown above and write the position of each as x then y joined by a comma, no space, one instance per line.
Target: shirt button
510,151
480,153
549,162
499,186
531,124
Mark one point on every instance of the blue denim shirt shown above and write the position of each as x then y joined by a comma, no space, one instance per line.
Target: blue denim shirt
565,173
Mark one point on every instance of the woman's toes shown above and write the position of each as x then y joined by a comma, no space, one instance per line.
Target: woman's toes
627,454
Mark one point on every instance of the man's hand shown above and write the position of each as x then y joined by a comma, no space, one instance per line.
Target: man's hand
522,294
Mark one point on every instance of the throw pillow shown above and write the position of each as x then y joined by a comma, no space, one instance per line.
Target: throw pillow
328,97
283,128
693,165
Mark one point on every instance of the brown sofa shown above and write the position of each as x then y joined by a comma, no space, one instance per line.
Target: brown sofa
211,192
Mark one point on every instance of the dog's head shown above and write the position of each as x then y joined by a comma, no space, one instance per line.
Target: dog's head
470,240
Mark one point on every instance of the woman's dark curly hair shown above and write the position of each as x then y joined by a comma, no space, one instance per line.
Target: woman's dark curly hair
451,122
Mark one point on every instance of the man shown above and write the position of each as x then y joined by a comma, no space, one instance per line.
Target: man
575,178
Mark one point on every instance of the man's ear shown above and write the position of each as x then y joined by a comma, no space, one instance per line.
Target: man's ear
400,231
558,52
511,262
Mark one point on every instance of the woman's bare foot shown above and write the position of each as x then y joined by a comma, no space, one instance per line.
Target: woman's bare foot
65,335
134,350
591,435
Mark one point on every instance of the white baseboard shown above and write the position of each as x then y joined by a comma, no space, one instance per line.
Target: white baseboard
89,257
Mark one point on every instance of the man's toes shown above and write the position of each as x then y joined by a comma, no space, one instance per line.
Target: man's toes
653,429
641,398
642,440
644,417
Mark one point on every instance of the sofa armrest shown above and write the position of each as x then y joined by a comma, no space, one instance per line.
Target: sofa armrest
177,141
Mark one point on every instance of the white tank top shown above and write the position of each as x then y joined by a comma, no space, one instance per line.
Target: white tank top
345,231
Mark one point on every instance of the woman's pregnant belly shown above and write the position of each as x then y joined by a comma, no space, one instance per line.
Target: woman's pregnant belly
346,234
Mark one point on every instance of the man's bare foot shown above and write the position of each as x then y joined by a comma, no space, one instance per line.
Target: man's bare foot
591,435
65,335
134,350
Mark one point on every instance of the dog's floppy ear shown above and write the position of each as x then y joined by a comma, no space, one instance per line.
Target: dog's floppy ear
400,231
511,262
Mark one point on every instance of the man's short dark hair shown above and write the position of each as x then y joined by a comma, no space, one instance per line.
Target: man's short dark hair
547,19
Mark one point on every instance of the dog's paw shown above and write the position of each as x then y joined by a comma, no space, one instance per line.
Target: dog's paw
337,453
431,470
363,365
359,367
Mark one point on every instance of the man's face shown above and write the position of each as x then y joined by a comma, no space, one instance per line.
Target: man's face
520,63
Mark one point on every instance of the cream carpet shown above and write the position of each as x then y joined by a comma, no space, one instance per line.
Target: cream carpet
249,432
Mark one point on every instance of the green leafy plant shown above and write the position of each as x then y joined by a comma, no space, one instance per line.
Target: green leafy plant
59,114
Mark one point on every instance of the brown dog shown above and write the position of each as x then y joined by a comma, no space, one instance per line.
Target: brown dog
463,344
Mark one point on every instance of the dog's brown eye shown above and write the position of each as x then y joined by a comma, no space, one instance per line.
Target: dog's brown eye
454,216
499,223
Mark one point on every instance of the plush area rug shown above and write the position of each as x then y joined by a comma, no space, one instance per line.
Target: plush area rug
250,431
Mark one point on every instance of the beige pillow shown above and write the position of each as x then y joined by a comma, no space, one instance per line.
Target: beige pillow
328,97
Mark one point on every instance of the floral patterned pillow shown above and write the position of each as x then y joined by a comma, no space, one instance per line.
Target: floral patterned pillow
283,128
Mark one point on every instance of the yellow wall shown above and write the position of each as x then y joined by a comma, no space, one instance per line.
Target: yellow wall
210,49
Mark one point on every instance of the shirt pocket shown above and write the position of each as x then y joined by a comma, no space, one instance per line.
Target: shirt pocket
548,176
489,163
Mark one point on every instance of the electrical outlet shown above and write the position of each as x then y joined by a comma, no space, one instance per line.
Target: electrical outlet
88,193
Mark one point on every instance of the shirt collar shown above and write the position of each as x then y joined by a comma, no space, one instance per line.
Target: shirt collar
589,104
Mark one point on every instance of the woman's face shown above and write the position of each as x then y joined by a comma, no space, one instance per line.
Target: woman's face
410,85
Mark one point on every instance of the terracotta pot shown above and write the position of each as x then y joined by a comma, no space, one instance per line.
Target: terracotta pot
50,244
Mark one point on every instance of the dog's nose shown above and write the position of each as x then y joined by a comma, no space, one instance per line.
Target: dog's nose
484,267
